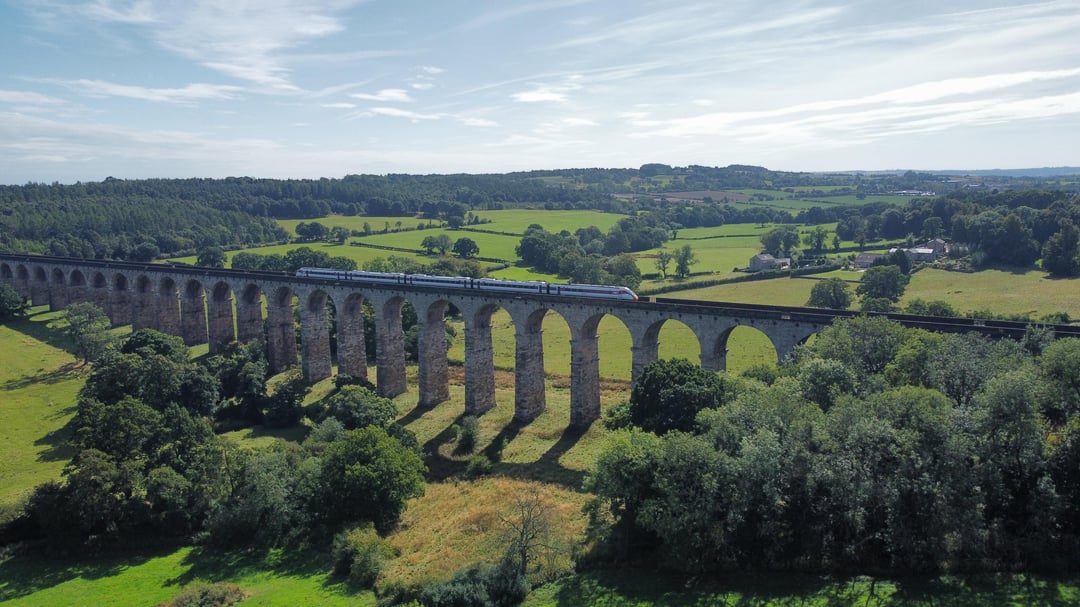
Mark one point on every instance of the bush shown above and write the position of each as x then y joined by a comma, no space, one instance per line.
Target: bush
467,434
357,407
479,585
360,554
201,594
478,466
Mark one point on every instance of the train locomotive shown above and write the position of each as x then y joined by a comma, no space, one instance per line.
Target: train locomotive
493,285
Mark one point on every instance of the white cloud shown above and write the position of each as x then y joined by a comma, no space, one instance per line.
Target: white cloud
187,94
481,122
400,113
28,97
342,106
539,96
431,69
385,95
422,86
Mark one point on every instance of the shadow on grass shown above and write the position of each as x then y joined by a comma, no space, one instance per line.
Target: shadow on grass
57,443
62,373
215,565
648,587
26,574
36,325
547,468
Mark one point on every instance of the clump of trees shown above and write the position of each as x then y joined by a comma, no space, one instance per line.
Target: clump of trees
873,447
581,257
148,462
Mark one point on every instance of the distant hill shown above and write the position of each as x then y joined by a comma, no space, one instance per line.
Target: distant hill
1040,172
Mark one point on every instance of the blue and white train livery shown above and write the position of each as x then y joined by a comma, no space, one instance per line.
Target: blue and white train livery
493,285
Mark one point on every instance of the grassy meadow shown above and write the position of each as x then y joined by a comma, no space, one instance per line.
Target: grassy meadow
1001,291
38,384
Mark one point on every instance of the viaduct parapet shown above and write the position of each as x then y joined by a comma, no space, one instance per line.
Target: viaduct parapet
216,307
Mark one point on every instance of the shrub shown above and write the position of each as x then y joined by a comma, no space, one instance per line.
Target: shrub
201,594
466,439
478,466
360,554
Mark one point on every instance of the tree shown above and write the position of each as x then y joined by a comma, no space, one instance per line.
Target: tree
684,258
285,407
12,305
669,393
663,260
358,407
211,257
368,476
429,243
1060,254
466,247
88,328
781,240
882,282
833,293
339,234
816,239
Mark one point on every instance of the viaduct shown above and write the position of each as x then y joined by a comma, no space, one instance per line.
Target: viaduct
216,307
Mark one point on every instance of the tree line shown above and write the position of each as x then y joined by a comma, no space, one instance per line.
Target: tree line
875,447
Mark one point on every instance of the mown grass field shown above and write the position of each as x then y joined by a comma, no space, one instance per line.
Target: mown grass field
491,245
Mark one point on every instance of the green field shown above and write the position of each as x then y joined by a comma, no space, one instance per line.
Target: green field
273,579
491,245
38,383
1000,291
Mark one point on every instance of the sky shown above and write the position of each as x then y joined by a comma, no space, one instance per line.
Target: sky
325,88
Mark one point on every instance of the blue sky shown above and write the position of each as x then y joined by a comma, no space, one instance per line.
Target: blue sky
324,88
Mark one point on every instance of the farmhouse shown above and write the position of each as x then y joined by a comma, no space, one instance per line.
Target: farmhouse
765,261
865,260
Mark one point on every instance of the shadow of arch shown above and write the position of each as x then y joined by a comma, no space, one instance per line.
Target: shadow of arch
220,326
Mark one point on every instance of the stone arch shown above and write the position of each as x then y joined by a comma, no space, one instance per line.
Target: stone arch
530,370
389,347
249,315
144,304
351,341
168,307
219,317
665,338
39,286
99,292
752,346
120,301
193,313
315,336
77,287
6,274
22,281
585,368
431,353
479,359
281,329
58,293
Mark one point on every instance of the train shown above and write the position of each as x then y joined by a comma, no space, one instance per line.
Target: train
492,285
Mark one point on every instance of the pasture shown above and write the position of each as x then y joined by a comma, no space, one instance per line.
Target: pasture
38,384
1001,291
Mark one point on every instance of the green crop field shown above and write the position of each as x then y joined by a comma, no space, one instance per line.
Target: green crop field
518,220
356,222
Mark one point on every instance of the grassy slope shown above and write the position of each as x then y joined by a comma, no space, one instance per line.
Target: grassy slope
1001,291
38,383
